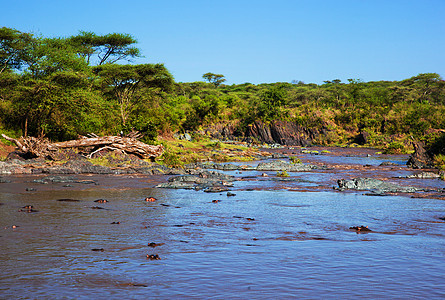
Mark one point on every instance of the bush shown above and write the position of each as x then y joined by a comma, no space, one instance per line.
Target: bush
283,174
294,160
395,148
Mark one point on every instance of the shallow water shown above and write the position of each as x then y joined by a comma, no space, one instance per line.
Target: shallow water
263,243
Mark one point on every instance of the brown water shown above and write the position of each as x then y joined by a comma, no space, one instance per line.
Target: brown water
264,243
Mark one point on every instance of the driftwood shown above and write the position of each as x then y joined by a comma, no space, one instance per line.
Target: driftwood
44,148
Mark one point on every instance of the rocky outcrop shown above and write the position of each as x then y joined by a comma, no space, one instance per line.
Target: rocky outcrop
281,132
424,175
126,165
376,185
209,181
420,159
279,165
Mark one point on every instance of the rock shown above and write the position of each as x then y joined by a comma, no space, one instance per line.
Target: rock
377,185
279,165
177,185
388,163
227,167
420,159
229,194
153,245
362,138
216,189
4,180
281,132
68,200
425,175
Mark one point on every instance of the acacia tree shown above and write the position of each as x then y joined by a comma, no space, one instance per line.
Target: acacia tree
215,79
126,81
14,46
108,48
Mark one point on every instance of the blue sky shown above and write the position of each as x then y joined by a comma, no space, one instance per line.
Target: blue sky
258,41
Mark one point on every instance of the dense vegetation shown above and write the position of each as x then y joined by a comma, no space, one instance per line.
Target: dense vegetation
63,87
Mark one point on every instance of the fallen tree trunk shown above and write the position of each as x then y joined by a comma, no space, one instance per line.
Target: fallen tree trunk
43,148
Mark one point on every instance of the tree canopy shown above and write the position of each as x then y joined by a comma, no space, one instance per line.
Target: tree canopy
215,79
105,49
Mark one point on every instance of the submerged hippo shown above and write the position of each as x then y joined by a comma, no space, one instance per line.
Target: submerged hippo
101,201
28,209
360,228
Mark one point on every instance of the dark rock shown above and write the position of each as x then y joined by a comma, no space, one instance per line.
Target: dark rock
281,132
376,194
229,194
98,249
420,159
362,138
97,207
201,180
68,200
30,189
152,244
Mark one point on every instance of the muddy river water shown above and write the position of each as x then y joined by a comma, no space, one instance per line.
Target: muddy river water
277,238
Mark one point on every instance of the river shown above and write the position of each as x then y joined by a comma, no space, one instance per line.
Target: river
278,238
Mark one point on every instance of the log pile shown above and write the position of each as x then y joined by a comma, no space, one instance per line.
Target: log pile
41,147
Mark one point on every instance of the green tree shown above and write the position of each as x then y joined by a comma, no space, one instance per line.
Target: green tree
14,46
271,100
107,49
215,79
126,81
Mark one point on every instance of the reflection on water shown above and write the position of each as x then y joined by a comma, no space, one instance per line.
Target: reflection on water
258,244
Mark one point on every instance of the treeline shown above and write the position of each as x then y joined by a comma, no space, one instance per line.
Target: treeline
63,87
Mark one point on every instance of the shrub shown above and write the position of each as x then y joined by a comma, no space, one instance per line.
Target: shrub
294,160
395,148
283,174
